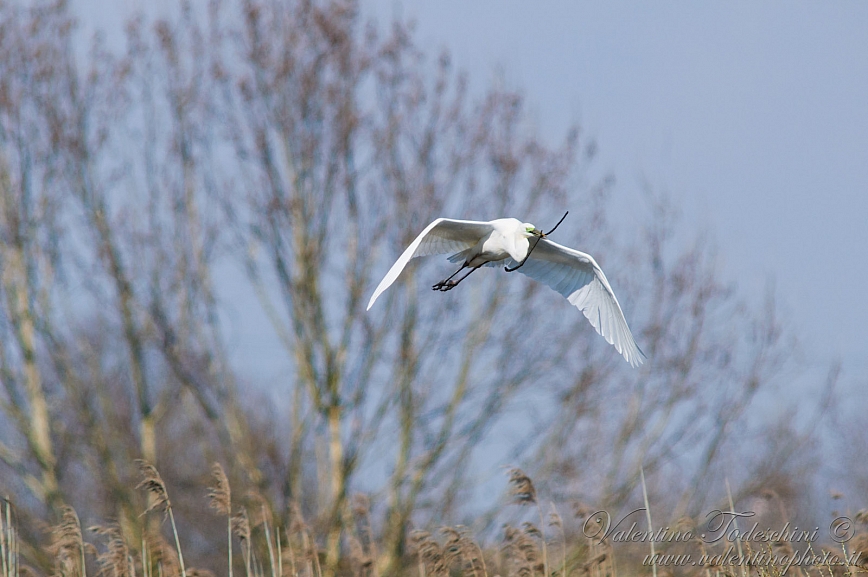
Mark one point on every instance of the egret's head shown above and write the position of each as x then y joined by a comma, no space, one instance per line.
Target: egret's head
531,230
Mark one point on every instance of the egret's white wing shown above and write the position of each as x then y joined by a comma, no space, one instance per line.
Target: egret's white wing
442,236
579,278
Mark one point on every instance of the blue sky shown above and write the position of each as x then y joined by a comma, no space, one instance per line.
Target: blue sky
752,115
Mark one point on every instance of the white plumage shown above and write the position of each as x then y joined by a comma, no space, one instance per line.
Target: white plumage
504,241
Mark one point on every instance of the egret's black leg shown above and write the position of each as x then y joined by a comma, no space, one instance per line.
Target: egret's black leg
453,284
446,282
449,284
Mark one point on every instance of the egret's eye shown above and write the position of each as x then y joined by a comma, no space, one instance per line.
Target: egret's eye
530,228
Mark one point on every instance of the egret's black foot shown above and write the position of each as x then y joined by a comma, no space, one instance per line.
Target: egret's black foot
444,285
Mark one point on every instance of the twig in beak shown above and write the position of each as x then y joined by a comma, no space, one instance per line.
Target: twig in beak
541,235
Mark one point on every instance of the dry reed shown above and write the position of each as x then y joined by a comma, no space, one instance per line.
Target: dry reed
8,542
220,499
523,492
67,545
116,560
153,484
453,551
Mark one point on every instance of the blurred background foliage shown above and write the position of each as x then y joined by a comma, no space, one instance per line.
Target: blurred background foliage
288,150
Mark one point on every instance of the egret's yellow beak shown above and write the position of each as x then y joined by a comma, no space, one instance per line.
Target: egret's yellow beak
531,230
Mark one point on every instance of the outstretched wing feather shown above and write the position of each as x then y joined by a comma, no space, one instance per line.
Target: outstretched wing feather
443,236
578,277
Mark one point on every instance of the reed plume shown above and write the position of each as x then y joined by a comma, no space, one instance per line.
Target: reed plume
67,545
220,499
116,561
153,484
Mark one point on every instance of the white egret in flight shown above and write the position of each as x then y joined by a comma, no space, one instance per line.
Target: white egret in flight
504,242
